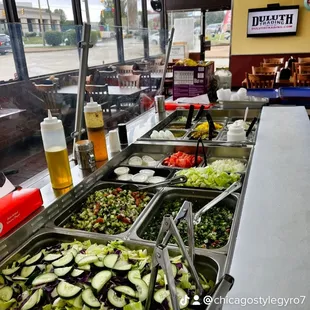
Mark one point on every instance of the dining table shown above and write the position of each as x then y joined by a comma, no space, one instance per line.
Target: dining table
113,90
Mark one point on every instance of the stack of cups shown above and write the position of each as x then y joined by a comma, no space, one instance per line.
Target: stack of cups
114,141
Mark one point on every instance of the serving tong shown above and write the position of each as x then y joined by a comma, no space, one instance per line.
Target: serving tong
161,258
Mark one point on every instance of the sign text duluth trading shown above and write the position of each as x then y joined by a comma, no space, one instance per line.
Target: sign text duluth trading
279,19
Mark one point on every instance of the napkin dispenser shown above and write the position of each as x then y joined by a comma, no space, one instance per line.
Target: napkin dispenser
17,205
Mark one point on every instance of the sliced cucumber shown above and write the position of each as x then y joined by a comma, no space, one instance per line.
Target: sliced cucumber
147,278
8,278
134,306
89,299
116,301
85,308
59,303
19,278
76,273
44,278
23,259
110,260
51,257
40,295
27,271
42,267
32,301
63,261
78,257
60,272
99,264
142,289
6,293
100,279
122,265
133,275
181,296
7,304
85,267
34,259
9,271
67,290
78,302
127,290
72,250
101,256
54,293
161,295
2,280
89,259
35,274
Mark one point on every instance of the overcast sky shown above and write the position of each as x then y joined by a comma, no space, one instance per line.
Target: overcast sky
95,6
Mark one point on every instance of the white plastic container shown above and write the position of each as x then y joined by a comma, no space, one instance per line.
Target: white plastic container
56,152
236,133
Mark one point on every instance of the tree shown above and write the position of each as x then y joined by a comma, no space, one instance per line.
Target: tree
215,17
62,14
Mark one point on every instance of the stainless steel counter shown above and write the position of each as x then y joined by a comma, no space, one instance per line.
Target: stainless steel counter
53,200
272,250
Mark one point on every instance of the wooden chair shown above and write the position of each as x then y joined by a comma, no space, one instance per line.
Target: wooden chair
298,64
271,65
129,80
73,79
158,61
145,78
279,61
301,80
51,100
303,70
303,59
126,69
260,81
108,77
100,94
265,70
158,69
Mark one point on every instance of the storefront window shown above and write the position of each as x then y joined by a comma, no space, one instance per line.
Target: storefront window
154,30
101,14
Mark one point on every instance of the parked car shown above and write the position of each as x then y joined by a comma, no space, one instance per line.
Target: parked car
5,44
214,28
155,38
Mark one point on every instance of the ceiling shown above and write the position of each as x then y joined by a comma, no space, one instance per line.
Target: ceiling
210,5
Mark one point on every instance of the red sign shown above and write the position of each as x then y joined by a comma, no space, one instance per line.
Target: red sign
226,21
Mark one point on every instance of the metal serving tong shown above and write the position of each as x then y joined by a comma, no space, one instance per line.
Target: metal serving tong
231,189
161,255
174,181
203,151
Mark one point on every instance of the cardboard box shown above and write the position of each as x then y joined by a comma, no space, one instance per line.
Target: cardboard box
16,206
191,81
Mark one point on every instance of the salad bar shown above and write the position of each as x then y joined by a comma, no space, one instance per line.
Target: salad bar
96,249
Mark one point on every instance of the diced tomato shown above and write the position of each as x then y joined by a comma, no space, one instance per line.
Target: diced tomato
138,201
100,220
119,189
124,219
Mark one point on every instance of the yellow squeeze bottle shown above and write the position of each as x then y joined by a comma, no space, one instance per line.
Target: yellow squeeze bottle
95,129
56,152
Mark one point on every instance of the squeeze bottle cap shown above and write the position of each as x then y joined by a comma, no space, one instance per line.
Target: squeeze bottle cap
51,123
92,106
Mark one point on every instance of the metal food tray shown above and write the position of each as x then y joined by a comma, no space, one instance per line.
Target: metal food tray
192,195
209,264
165,172
65,215
242,104
249,140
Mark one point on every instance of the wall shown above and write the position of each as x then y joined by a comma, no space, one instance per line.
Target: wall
251,51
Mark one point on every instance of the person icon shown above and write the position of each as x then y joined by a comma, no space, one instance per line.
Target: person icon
196,301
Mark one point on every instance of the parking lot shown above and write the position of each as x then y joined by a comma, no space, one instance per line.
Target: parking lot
42,60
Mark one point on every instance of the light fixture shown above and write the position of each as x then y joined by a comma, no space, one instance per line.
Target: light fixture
156,5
